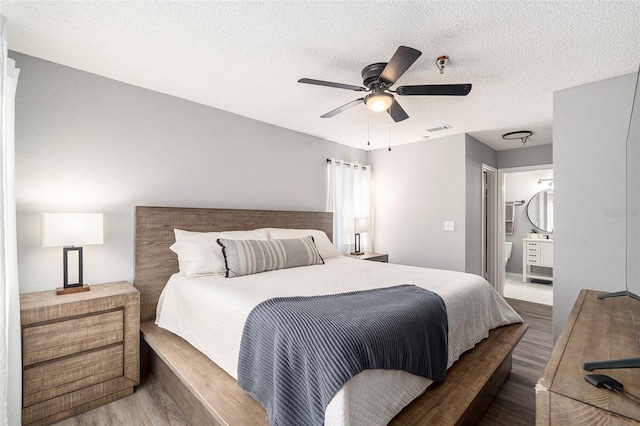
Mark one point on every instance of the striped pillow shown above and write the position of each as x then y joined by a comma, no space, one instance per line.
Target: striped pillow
245,257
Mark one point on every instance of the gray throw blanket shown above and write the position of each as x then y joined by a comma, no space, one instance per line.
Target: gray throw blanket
297,352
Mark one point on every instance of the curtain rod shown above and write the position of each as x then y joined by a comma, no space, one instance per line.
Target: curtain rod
338,162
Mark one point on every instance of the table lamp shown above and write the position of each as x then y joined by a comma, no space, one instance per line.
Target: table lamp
72,231
361,226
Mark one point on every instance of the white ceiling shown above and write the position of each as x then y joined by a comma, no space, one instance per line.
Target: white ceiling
246,57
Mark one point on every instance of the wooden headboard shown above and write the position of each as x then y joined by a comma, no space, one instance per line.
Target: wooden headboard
155,262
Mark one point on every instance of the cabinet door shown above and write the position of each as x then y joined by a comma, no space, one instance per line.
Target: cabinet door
546,255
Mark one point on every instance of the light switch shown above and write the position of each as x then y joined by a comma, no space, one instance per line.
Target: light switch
449,225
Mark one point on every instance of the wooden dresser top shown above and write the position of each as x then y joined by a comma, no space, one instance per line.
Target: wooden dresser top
597,330
46,305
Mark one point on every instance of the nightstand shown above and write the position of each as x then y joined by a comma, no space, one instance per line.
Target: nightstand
376,257
79,351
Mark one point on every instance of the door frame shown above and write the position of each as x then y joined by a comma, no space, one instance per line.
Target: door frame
489,231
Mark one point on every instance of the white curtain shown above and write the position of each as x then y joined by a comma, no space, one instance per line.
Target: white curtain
350,201
10,359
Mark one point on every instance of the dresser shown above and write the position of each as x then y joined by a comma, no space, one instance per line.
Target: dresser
536,252
596,330
79,351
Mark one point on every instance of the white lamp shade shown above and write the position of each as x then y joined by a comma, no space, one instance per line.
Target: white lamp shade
362,225
71,229
356,225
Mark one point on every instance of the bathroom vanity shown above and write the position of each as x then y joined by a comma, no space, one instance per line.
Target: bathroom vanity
536,252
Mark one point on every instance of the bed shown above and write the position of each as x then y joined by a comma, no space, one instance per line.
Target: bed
208,394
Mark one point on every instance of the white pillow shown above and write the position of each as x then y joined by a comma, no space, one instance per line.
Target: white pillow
325,247
200,254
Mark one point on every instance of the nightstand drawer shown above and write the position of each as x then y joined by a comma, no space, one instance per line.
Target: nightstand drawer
72,336
379,258
51,379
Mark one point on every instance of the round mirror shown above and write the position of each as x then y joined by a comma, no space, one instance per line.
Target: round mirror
540,210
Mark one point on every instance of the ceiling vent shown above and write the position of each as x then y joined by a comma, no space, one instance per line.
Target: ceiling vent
439,128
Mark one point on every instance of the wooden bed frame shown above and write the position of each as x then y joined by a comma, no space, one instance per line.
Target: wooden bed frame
206,394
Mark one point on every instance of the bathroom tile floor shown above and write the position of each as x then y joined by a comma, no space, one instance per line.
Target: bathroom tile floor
530,292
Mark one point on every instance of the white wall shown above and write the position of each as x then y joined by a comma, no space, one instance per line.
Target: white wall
417,187
421,185
589,133
85,143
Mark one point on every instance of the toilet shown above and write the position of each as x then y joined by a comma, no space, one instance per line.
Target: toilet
507,251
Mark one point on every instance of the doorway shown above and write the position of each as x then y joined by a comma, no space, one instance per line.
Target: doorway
521,234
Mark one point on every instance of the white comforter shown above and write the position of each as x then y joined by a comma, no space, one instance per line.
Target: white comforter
210,312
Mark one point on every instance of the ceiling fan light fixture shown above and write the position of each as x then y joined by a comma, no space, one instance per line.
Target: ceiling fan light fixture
378,102
377,79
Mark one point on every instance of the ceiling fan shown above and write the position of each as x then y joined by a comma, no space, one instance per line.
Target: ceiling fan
379,77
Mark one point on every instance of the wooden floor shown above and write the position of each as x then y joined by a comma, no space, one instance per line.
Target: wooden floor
516,402
514,405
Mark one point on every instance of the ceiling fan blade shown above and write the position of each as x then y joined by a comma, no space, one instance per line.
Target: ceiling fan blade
399,63
435,90
342,108
331,84
396,112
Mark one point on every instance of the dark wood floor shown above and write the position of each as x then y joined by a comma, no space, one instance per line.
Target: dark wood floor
514,405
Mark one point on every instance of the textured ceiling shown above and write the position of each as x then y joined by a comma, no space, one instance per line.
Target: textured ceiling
246,57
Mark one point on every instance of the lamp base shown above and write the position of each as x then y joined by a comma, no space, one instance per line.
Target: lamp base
357,253
69,290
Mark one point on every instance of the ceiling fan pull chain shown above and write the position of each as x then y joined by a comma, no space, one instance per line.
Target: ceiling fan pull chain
368,128
389,135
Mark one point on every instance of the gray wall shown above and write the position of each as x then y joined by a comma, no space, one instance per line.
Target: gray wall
525,156
589,133
421,185
476,153
418,187
88,143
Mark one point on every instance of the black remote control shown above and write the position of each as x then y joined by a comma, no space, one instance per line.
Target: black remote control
602,381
